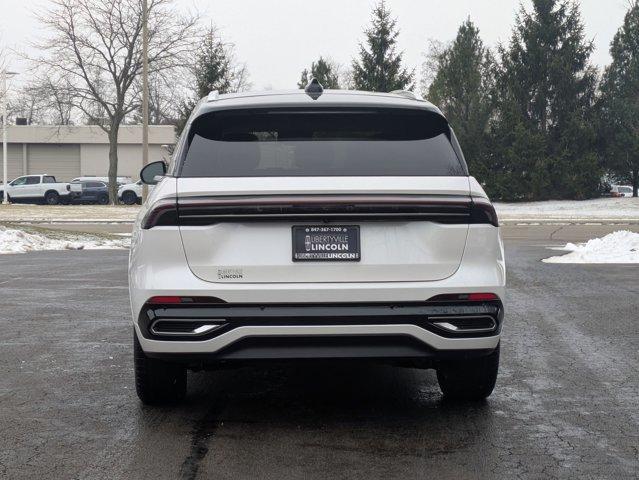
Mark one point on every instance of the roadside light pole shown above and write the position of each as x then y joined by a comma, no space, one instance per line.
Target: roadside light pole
145,92
5,160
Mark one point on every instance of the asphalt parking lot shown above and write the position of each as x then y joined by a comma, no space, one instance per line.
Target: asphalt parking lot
565,406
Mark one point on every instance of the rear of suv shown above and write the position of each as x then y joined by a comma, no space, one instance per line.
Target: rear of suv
316,225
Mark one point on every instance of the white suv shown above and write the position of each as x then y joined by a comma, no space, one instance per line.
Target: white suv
317,224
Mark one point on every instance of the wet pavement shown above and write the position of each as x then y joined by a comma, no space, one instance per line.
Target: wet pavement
565,406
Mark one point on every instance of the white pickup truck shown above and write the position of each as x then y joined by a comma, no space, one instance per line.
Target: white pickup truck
40,188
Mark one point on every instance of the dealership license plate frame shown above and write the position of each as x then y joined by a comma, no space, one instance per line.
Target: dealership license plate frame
300,253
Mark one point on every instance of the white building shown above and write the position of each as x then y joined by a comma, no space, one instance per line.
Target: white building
72,151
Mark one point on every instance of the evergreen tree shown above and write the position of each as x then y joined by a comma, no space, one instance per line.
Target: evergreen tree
620,102
543,139
460,84
304,79
325,71
214,69
379,67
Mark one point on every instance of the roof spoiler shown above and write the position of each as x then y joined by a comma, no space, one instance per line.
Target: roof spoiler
407,94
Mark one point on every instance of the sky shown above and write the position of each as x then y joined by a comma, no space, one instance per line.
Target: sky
277,39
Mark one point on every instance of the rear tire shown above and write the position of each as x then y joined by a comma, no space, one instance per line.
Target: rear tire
103,200
52,198
129,197
157,382
472,379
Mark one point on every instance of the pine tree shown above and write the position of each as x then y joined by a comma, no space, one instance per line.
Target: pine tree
544,141
304,79
620,102
460,84
214,69
379,67
325,71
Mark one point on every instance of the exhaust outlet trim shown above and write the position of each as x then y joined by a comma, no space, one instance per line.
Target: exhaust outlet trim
200,328
449,324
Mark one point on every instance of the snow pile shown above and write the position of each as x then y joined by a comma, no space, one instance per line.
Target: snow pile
617,247
18,241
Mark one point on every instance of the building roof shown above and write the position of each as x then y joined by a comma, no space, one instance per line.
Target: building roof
298,98
60,134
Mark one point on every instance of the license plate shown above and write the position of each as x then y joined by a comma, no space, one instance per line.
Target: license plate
334,243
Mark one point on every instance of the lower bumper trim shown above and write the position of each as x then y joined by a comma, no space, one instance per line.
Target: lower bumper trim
323,348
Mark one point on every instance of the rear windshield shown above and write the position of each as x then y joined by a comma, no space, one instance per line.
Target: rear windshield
320,142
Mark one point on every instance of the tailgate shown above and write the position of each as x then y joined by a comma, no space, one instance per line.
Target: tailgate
399,228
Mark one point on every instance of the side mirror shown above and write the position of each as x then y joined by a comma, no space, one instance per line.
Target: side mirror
149,173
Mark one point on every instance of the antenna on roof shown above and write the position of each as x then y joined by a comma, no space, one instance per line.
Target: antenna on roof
314,89
213,96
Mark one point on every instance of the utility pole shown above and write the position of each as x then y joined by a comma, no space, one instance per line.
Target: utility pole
145,92
5,160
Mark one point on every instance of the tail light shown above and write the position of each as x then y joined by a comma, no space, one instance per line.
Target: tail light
482,211
161,213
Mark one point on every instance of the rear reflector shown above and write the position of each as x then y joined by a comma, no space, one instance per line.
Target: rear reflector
481,297
471,297
164,300
171,299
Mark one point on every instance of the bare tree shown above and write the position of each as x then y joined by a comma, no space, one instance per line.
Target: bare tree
96,45
165,92
45,100
4,61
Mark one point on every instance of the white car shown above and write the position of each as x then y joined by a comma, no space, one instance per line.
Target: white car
39,188
119,180
621,191
130,193
317,224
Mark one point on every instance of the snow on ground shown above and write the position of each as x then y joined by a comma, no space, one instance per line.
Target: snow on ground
19,241
617,247
599,209
67,213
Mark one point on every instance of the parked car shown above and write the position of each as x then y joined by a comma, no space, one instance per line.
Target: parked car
119,180
92,192
334,225
621,191
131,193
38,188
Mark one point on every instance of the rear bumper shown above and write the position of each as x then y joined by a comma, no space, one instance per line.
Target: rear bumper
393,330
250,332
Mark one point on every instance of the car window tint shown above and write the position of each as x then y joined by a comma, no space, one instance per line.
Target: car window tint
320,142
33,180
